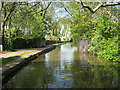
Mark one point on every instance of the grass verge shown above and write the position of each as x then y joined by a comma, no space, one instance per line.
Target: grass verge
14,50
6,60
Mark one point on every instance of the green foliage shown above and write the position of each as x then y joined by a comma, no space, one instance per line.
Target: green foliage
21,43
80,26
105,40
27,22
32,21
100,28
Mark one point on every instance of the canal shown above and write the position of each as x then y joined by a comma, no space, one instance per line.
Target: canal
66,67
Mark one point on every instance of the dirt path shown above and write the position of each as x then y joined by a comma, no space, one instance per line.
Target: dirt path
6,55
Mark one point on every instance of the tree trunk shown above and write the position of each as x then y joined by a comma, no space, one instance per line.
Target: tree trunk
6,16
9,35
3,30
0,28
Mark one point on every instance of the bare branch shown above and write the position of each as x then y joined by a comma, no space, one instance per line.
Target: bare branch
67,10
33,7
46,9
47,6
110,4
98,6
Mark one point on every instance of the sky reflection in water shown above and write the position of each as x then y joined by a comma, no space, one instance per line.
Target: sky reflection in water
65,67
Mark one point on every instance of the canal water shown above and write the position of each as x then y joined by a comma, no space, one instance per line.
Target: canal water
66,67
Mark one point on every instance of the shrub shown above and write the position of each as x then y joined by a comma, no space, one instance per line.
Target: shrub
19,43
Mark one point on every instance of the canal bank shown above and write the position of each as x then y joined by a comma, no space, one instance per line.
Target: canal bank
14,65
65,67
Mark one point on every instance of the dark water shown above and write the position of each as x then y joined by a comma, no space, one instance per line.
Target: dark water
65,67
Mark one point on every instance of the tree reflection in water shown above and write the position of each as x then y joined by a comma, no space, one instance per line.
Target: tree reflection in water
65,67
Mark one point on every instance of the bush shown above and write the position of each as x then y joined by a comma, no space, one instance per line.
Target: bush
19,43
105,39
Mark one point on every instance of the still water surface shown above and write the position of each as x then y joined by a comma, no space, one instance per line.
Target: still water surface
65,67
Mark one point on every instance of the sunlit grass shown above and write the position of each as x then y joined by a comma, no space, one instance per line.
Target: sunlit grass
58,44
6,60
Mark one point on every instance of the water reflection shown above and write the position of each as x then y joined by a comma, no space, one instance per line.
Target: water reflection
65,67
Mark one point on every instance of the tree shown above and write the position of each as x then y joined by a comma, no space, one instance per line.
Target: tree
6,16
21,17
0,30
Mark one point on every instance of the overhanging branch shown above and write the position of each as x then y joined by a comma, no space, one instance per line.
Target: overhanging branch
67,10
46,9
98,6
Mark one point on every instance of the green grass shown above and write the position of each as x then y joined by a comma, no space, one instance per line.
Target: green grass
6,60
14,50
57,44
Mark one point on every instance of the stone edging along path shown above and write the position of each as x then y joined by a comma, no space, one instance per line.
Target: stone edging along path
15,64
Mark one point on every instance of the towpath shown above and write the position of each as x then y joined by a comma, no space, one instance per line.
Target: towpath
8,67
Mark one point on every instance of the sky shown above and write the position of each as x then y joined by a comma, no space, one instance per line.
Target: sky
61,14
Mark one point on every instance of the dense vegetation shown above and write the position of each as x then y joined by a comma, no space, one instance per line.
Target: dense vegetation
100,28
104,43
24,23
27,21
